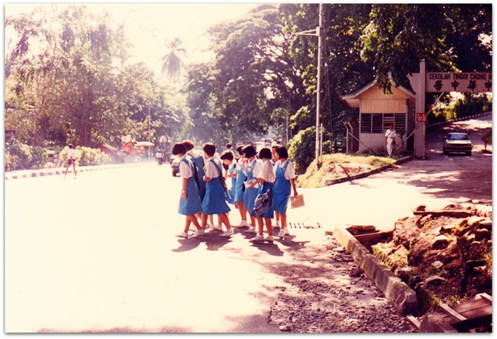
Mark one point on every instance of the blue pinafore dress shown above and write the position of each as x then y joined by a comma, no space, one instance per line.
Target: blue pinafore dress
263,189
250,193
214,201
199,162
232,190
239,188
192,204
282,189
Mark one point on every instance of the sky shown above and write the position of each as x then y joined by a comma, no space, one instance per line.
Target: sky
149,25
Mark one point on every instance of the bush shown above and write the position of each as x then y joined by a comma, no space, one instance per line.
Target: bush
19,156
302,149
85,156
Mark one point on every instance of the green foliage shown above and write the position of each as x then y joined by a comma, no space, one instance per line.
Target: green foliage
301,149
20,156
465,109
76,86
85,156
90,156
460,109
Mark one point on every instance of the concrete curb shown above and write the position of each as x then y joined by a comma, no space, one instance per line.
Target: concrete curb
61,171
396,291
330,182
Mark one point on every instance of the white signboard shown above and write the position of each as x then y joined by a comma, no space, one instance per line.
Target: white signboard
459,82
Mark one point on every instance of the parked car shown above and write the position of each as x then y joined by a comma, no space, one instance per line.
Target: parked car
457,143
174,162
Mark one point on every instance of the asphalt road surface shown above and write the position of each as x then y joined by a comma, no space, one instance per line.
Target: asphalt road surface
99,253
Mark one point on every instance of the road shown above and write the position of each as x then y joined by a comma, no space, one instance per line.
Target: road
98,253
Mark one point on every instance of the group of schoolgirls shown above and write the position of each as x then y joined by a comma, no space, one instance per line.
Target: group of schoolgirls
251,175
203,191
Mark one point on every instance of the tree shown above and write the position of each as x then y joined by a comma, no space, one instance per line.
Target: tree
399,36
342,67
172,62
253,79
73,83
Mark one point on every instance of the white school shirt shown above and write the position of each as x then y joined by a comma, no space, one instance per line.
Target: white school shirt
257,167
185,171
193,154
210,168
267,171
290,170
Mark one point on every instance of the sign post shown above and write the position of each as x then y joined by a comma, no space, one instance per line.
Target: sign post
420,124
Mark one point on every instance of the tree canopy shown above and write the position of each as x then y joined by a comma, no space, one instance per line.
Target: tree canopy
68,77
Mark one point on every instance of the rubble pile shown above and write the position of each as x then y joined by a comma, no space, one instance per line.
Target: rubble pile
444,255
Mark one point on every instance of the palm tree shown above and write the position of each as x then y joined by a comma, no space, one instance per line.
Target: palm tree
172,62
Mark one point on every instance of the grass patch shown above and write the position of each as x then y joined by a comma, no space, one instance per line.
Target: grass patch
339,165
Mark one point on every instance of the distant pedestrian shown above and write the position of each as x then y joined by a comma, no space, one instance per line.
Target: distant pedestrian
282,189
71,160
189,204
390,139
265,179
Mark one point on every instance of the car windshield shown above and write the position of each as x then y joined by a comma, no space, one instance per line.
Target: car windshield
458,137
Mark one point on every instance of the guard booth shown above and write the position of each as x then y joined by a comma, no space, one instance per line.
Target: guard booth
377,111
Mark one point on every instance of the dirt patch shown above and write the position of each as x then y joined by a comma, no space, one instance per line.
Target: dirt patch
340,165
444,255
328,293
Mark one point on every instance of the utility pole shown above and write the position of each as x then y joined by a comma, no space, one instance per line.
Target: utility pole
319,33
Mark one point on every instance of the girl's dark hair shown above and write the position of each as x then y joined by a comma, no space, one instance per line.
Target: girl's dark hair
249,151
282,152
209,148
265,153
188,144
227,155
179,148
239,149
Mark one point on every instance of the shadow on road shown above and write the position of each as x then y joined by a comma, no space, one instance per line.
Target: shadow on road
212,241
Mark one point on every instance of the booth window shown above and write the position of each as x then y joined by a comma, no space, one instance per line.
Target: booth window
377,123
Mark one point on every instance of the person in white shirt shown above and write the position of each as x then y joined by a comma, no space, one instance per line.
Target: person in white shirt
390,139
71,160
285,182
215,200
251,169
265,179
189,204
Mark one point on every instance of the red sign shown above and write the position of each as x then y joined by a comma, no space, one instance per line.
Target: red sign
421,117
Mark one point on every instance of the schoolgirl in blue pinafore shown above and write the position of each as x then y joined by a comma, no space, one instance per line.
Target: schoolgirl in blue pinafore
192,204
250,192
199,163
239,187
282,188
263,189
232,190
214,201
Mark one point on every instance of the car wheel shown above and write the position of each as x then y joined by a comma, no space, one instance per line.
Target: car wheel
468,153
445,152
